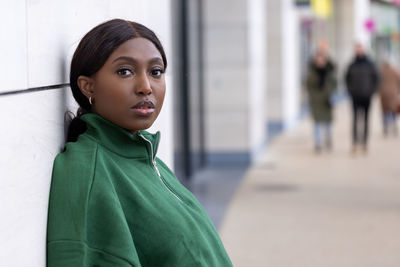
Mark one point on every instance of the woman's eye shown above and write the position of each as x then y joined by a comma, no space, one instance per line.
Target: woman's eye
124,72
156,72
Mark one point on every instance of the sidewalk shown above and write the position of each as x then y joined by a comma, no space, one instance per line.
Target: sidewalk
298,209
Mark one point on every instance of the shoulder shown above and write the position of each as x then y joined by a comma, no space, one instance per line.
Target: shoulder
74,168
370,62
353,64
311,69
77,154
349,68
71,184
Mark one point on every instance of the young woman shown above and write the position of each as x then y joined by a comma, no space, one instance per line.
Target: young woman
112,201
321,84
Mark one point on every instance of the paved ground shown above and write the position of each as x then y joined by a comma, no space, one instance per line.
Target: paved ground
214,187
298,209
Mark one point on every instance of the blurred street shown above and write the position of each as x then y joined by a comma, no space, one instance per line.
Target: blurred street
296,208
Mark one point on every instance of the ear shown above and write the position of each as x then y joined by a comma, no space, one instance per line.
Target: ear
86,85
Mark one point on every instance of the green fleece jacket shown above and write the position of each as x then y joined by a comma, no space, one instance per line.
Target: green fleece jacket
114,203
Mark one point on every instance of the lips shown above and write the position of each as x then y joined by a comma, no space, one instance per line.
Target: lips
143,108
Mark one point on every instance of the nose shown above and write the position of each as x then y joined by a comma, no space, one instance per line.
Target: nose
142,85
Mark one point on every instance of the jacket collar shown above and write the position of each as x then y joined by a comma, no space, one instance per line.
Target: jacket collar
119,140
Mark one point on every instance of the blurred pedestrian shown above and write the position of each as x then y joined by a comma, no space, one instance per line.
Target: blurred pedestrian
361,81
389,91
321,84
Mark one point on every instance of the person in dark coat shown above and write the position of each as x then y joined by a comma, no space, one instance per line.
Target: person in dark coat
389,91
361,81
321,84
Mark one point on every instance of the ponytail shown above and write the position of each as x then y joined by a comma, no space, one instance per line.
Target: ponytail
76,126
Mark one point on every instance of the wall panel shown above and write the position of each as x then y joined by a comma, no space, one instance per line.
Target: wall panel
13,52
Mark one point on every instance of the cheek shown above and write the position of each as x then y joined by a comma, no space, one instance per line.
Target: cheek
161,97
110,93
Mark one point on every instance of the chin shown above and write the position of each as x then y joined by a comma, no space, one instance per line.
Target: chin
141,126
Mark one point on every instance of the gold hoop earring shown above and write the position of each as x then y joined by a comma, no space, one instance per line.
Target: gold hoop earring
90,101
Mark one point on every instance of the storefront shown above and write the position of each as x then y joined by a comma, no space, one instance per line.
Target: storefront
385,30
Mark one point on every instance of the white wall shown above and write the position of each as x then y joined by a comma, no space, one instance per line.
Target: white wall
257,49
344,21
361,14
235,71
291,84
226,76
13,46
284,76
37,41
273,96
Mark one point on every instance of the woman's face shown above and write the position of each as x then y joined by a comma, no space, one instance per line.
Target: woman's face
129,88
320,60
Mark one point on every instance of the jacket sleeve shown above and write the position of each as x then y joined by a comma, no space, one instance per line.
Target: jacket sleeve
397,73
331,82
85,225
310,82
375,76
347,78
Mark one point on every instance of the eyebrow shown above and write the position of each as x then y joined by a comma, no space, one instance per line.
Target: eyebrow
132,60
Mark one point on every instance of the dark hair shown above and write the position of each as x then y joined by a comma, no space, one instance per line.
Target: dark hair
91,54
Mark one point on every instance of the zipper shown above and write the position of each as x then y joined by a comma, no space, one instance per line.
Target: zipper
154,164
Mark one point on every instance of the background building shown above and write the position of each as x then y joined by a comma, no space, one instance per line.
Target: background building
385,17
